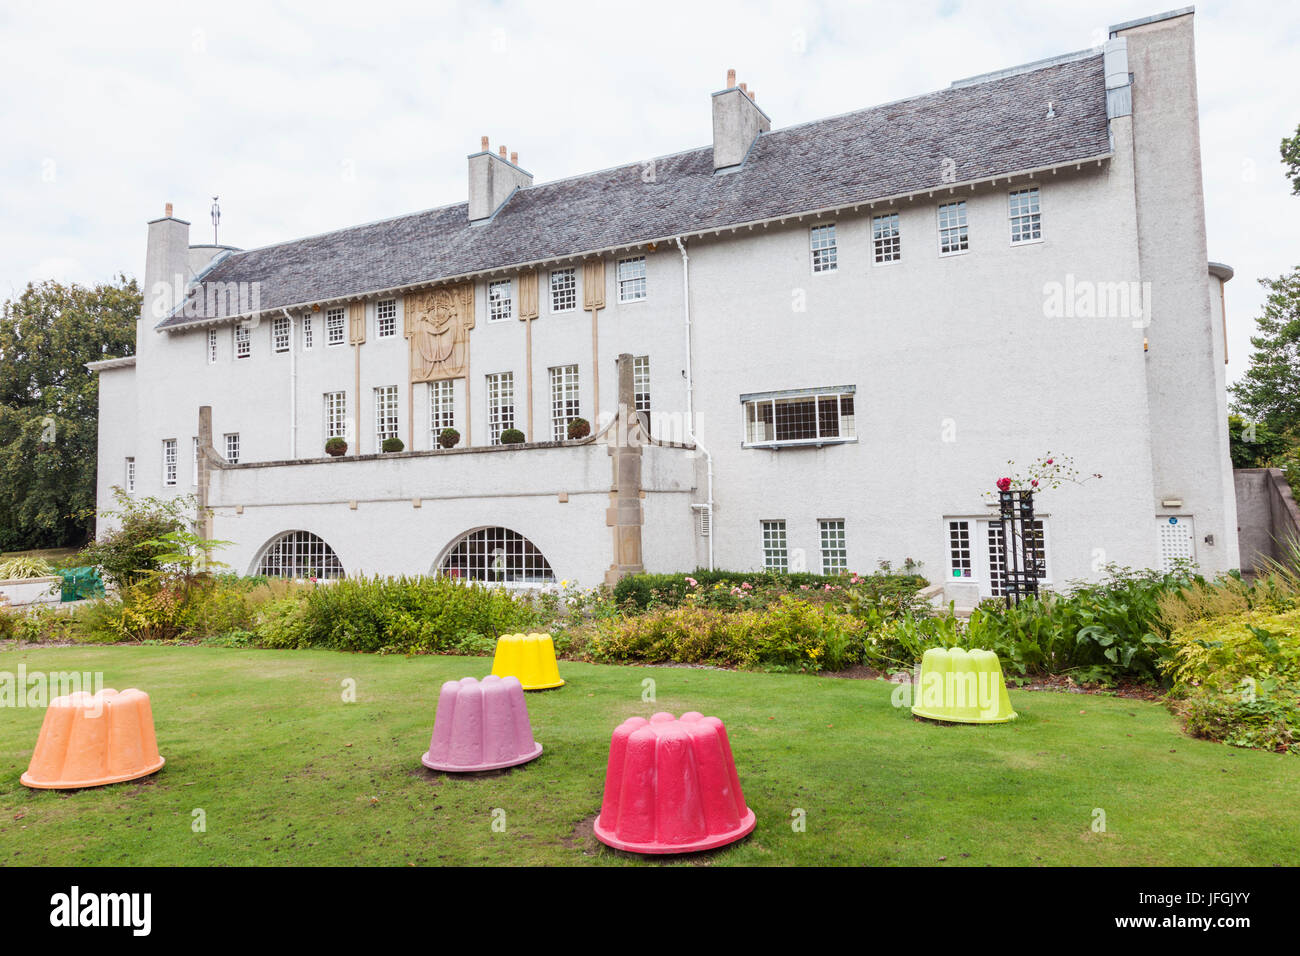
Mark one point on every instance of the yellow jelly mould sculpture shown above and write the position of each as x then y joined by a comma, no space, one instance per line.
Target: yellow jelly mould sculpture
961,686
530,657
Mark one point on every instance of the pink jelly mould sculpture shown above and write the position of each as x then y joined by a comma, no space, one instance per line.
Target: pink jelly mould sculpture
481,725
671,787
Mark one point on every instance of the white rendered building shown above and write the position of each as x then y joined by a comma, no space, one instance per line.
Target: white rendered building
842,331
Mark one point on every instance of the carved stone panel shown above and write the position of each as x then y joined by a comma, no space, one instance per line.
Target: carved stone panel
593,284
357,323
437,324
527,296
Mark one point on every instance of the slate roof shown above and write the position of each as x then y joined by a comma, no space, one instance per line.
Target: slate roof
988,128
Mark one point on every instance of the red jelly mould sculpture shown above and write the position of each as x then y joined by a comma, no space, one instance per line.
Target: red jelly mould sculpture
671,787
481,725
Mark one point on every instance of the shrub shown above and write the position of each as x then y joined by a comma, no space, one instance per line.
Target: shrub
578,428
19,568
132,548
1264,717
1221,652
448,438
393,445
512,436
336,447
637,592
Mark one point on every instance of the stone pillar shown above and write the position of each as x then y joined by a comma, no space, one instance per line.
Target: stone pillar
625,514
204,516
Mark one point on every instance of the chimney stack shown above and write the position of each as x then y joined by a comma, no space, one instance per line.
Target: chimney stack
167,211
492,178
737,122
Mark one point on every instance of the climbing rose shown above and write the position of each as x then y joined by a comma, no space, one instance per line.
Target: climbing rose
1004,484
1050,460
1034,482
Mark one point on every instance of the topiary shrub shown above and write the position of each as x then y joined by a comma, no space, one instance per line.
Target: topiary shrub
393,444
448,438
512,436
336,447
579,428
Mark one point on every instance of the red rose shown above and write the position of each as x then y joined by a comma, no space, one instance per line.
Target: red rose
1004,484
1050,460
1034,482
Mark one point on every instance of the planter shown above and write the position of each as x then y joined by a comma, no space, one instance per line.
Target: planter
22,591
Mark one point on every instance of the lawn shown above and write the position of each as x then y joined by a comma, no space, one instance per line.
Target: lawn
286,772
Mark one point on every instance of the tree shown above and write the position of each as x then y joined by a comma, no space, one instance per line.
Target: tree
49,405
1291,160
1269,391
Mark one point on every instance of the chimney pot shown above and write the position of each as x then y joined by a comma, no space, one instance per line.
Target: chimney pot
731,79
168,210
502,151
742,88
514,158
484,146
753,96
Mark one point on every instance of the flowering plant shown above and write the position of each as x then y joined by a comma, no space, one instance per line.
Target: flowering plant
1047,472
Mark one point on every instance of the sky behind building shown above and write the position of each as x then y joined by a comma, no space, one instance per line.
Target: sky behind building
312,117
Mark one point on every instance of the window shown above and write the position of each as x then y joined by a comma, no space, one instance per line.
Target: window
631,279
564,290
564,400
885,237
212,346
501,404
442,409
823,247
500,301
496,556
300,554
952,228
1035,538
336,415
243,342
232,447
641,383
195,479
385,413
835,551
334,327
774,551
308,330
280,333
959,549
808,416
1026,219
169,461
130,476
386,319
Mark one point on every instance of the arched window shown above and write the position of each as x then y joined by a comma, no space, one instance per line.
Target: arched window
300,554
496,556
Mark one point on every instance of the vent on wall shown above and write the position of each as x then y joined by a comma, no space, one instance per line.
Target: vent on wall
703,520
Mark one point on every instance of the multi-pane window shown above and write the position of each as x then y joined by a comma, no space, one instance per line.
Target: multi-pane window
212,346
500,300
631,279
308,329
1026,218
442,409
959,549
169,461
835,548
564,290
497,556
386,319
775,556
953,235
822,239
565,405
243,342
1034,541
385,413
300,554
232,447
280,329
885,237
334,333
195,479
336,415
130,476
808,416
641,383
501,404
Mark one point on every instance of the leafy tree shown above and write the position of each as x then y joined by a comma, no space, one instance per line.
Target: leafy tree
49,405
1255,444
1291,160
1269,391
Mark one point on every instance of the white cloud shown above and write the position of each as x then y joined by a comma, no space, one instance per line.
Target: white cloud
315,116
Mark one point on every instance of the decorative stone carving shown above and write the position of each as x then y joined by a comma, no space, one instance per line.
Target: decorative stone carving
593,284
528,308
357,323
437,324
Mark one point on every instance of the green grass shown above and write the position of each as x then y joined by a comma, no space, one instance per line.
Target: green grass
287,773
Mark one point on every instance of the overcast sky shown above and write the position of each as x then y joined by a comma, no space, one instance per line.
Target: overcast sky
309,117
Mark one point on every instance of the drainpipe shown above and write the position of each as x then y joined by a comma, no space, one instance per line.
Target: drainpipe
293,385
690,389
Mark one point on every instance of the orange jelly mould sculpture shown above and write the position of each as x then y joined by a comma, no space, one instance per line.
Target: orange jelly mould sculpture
89,740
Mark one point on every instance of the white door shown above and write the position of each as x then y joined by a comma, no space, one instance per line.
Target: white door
1176,539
